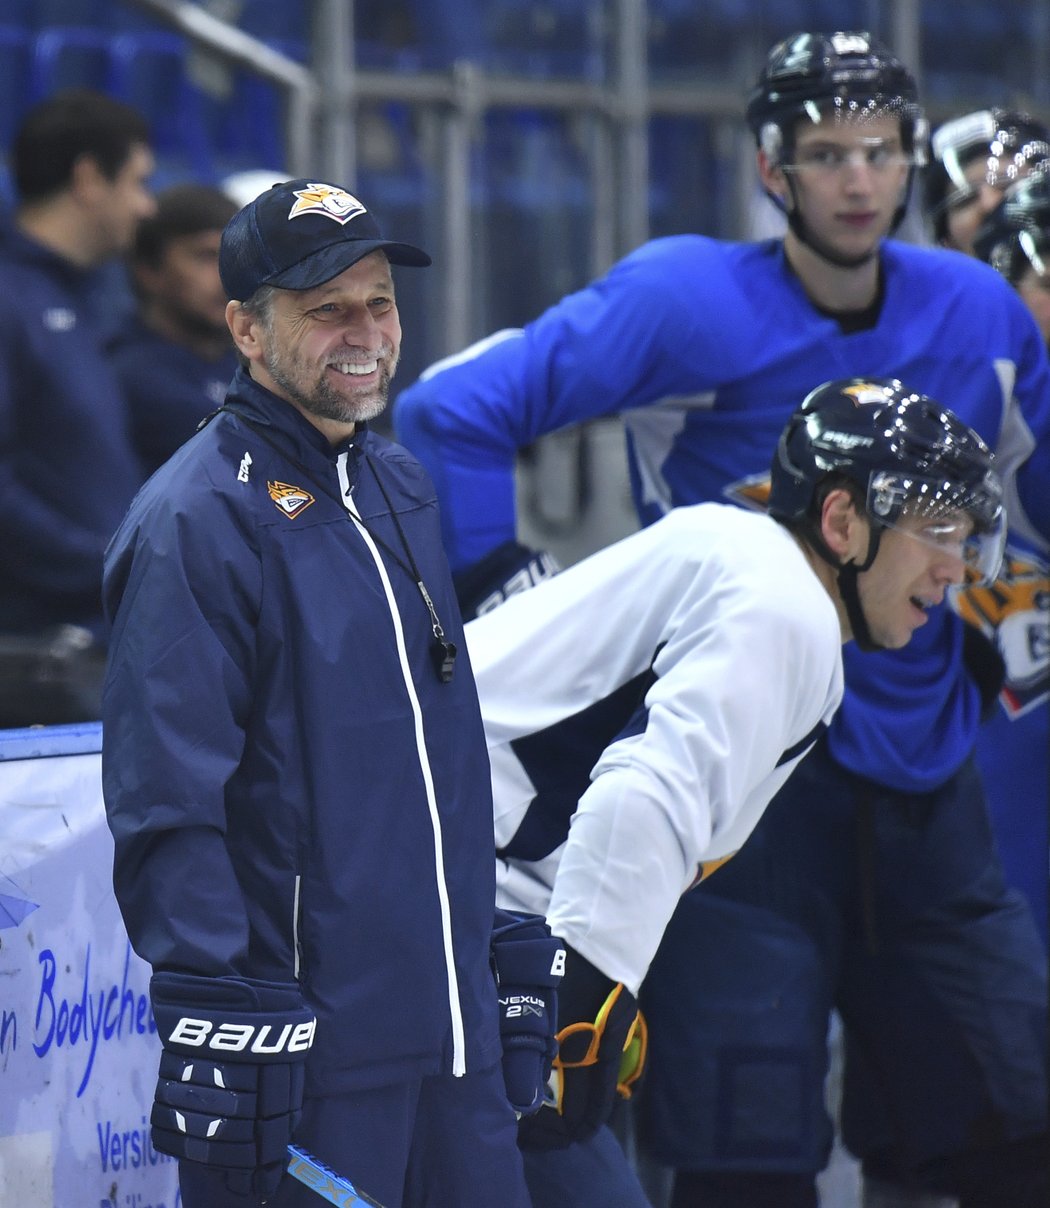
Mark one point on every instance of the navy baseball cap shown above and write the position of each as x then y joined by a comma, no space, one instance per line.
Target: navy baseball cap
300,234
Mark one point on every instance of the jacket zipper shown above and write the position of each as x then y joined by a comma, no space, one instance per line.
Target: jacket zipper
459,1064
297,939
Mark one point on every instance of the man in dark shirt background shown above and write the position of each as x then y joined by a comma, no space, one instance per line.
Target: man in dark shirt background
175,359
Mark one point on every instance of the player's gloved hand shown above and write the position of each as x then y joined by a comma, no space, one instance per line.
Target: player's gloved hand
505,571
230,1090
602,1047
527,963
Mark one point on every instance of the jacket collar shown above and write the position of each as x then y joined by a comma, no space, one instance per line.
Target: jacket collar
31,251
246,397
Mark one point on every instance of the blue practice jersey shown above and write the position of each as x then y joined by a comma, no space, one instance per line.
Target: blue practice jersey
706,347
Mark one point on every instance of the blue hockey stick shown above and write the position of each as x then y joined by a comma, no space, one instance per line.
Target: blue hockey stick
330,1186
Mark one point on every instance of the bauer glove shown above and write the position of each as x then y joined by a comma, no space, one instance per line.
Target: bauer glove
503,572
232,1071
528,964
601,1055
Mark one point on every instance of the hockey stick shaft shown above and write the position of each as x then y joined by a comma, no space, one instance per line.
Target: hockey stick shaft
329,1186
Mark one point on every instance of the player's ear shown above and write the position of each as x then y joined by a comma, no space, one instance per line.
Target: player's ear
244,327
844,529
771,175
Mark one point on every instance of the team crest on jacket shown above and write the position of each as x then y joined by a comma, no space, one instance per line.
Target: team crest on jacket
290,500
329,200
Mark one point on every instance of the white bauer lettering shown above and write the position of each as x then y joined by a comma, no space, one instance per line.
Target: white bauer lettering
558,967
237,1037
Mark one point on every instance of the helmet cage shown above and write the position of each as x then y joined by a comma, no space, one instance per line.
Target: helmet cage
1008,141
1015,236
943,506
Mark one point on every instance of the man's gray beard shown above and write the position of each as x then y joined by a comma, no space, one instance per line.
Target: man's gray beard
325,403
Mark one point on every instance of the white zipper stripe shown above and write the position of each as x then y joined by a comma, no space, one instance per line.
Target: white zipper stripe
459,1064
296,948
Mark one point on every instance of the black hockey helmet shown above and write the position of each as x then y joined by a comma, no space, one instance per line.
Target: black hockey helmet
814,75
906,455
1015,236
1008,140
904,451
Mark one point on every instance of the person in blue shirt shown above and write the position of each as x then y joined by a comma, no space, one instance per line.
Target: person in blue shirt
1013,748
81,163
175,359
871,884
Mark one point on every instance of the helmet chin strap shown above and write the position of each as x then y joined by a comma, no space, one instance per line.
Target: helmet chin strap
858,622
847,576
805,236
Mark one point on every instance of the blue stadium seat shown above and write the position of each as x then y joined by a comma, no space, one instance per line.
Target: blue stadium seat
685,38
149,71
83,13
689,187
531,192
965,48
245,129
277,22
16,53
70,57
546,37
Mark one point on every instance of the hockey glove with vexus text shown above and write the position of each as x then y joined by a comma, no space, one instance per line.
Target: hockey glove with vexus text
602,1044
232,1072
503,572
528,964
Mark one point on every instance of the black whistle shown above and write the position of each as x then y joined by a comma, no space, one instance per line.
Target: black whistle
444,655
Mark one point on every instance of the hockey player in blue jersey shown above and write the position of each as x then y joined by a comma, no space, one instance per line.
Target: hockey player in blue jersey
1013,748
871,883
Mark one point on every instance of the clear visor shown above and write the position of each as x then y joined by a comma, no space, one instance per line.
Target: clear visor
964,522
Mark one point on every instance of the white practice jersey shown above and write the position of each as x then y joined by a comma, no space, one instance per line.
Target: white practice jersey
641,709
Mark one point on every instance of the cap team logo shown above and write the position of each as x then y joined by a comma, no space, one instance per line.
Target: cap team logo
290,500
332,202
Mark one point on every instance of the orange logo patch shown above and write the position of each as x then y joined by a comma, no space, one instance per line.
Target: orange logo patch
750,492
332,202
866,392
290,500
1014,612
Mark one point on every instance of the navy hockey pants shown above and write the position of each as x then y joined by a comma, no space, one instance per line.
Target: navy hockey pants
592,1174
430,1143
890,907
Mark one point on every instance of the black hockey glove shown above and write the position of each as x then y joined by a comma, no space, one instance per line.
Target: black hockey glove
507,570
602,1047
230,1091
528,964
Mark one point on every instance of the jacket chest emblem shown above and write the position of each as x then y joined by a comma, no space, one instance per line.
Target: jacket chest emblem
288,499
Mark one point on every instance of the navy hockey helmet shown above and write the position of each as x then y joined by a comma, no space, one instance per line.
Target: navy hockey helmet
906,454
1015,236
816,75
1009,142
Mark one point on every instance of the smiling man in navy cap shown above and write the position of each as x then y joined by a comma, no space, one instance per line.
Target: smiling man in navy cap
295,769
